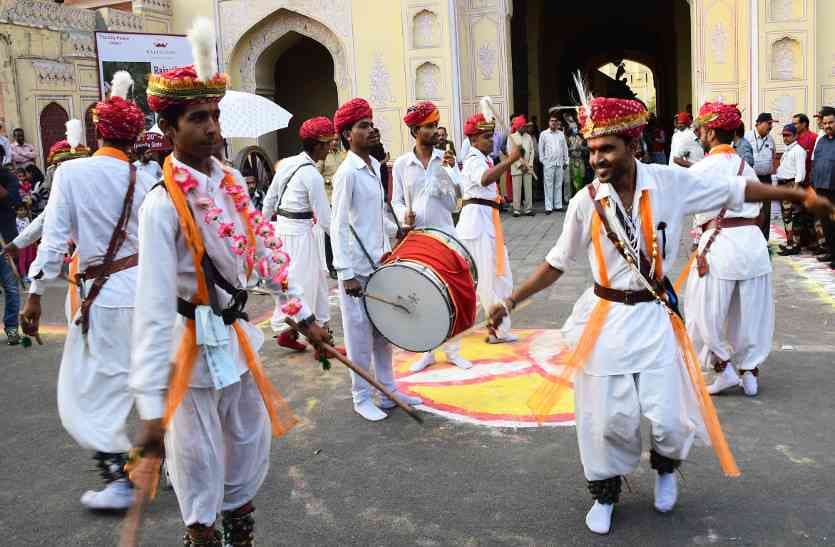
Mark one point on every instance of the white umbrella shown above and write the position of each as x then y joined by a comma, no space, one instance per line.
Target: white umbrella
248,116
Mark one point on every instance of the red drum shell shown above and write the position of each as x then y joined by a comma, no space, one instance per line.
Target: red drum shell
449,265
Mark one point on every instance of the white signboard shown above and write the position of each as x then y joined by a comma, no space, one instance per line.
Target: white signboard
140,55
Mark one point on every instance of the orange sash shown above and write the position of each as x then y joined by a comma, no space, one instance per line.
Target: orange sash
281,416
549,393
497,228
72,288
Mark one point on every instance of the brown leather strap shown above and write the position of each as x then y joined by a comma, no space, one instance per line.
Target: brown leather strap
117,238
730,223
630,298
123,263
480,201
718,223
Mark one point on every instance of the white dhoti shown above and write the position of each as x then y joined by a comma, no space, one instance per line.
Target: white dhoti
731,319
93,396
552,184
608,415
492,289
366,347
218,449
308,270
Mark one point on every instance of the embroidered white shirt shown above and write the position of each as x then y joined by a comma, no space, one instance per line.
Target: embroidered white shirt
431,193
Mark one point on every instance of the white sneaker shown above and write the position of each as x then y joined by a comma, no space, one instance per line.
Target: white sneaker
388,404
460,362
116,496
427,359
599,517
666,491
749,383
493,339
368,410
727,379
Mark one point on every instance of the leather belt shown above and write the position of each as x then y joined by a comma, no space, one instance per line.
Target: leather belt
229,315
730,223
480,201
301,215
125,263
630,298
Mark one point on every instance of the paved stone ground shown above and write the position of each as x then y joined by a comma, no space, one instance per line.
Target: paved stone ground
337,480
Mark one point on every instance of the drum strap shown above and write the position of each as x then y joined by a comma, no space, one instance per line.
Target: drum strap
364,250
287,183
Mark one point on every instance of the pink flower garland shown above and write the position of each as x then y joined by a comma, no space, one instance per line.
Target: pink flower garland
276,264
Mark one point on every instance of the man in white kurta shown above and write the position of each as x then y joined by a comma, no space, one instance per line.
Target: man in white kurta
425,193
522,170
479,226
730,309
685,146
303,216
87,199
553,153
360,234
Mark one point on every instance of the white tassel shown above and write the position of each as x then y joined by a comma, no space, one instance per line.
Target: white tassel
120,86
584,97
74,133
202,38
488,110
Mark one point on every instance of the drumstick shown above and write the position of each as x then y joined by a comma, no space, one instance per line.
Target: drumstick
365,376
483,324
384,301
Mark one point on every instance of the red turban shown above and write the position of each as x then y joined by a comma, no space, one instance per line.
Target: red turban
477,124
422,113
518,123
350,113
180,86
718,115
604,116
319,128
684,118
118,119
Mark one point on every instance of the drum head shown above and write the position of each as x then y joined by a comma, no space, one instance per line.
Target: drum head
427,323
456,245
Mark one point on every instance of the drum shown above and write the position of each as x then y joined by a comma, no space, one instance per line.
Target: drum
425,291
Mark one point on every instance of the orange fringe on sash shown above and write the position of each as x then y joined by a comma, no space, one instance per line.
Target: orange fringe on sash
685,273
281,416
72,288
549,393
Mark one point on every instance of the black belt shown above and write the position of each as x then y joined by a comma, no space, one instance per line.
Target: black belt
301,215
231,314
630,298
480,201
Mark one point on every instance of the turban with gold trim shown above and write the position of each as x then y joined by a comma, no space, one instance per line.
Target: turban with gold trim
716,115
478,124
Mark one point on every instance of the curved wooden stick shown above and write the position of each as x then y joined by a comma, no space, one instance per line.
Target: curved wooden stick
331,351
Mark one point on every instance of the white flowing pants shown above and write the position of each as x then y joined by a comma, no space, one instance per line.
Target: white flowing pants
218,449
609,410
366,347
93,396
553,179
732,320
307,271
492,289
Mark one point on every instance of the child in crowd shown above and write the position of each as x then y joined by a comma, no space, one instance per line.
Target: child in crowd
25,256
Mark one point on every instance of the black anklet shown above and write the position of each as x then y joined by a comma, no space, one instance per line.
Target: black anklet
662,464
606,491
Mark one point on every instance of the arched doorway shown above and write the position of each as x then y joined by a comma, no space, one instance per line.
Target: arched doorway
53,123
552,40
90,129
298,73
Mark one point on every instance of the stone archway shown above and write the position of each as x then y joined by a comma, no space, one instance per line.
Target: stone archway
248,53
53,122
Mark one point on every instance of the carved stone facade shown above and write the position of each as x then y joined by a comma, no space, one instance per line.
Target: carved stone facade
40,13
122,21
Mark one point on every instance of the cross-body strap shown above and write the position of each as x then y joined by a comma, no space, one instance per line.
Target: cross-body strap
117,238
701,258
287,183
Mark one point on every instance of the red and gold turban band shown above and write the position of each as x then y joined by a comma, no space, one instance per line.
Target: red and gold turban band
319,128
62,151
118,119
180,86
350,113
624,117
718,115
478,124
422,113
518,123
